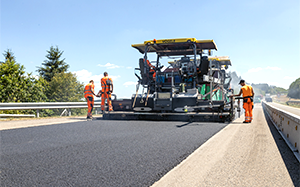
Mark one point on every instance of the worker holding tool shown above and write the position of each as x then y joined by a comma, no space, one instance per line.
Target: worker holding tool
107,89
248,95
89,95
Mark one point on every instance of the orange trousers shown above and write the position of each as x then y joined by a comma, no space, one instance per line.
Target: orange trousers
90,103
105,96
248,106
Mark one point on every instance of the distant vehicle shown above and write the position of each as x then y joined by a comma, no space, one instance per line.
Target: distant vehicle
268,98
257,100
259,96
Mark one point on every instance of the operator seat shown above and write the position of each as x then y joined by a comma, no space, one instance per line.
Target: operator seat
144,74
203,68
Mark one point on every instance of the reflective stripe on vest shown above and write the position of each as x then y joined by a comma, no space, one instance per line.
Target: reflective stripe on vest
104,86
88,90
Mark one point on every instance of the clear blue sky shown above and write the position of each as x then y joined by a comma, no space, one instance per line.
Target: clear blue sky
261,37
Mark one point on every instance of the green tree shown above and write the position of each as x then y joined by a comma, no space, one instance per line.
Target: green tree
9,55
64,87
53,64
294,89
16,85
279,90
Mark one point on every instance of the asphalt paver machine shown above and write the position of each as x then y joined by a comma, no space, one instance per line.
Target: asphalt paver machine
193,87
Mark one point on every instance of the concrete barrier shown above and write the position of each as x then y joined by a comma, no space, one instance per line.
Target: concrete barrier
287,124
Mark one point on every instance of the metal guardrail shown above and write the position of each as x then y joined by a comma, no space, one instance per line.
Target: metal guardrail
297,102
46,105
288,125
17,115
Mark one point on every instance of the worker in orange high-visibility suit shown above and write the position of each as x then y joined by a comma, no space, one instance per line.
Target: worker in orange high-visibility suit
89,95
107,89
248,95
152,69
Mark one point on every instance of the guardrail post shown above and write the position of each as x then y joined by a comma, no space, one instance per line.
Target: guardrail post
69,110
37,113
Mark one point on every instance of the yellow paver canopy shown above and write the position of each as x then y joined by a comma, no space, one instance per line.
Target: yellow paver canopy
179,46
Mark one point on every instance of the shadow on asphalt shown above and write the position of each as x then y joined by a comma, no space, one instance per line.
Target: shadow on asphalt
290,161
185,124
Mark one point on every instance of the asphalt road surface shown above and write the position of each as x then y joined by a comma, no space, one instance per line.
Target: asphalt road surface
98,153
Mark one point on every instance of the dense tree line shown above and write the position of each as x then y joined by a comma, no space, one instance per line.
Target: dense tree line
261,88
294,89
54,83
18,86
265,88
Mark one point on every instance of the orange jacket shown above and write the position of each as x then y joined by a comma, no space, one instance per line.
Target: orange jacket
89,90
247,91
106,84
152,68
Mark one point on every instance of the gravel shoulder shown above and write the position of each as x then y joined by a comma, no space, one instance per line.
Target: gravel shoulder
239,155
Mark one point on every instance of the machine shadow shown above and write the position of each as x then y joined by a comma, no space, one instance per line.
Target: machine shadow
185,124
290,161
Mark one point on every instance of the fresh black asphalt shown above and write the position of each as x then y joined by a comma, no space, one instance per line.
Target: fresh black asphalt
99,152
